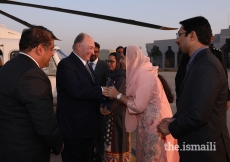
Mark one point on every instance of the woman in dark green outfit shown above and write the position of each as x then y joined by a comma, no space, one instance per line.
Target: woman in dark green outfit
116,140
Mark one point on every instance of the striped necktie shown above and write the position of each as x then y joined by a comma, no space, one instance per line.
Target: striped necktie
91,65
188,66
88,69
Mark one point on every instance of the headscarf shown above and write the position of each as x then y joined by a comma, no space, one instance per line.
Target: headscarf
118,71
137,65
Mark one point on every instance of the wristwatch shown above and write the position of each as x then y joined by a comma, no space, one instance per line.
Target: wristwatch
119,96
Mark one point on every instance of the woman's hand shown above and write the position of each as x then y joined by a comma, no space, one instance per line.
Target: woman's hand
111,92
104,111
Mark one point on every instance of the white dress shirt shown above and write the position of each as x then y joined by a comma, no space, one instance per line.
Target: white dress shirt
83,61
94,63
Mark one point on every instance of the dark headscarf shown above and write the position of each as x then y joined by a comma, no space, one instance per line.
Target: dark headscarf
118,71
112,76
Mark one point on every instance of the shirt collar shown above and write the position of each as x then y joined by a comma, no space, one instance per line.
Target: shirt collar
94,62
83,61
29,57
196,52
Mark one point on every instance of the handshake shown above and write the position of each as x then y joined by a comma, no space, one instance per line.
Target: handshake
110,92
163,126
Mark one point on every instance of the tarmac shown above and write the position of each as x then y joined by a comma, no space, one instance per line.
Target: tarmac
170,78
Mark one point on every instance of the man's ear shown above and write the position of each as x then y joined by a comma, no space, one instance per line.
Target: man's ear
78,46
193,35
39,49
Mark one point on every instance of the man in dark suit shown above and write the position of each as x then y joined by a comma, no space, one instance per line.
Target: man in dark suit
28,127
200,122
101,71
100,67
181,71
78,101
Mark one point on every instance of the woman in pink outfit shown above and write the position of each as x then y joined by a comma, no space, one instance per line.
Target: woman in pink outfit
147,104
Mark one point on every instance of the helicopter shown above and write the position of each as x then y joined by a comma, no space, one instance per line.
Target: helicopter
74,12
12,39
93,15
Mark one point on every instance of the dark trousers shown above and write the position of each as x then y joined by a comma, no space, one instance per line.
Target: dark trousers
99,140
78,150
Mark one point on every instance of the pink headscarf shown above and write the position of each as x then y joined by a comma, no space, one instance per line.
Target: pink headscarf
137,64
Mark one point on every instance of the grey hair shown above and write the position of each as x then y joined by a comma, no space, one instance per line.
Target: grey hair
78,39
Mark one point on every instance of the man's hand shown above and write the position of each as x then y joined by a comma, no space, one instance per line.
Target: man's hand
103,90
163,128
169,120
111,92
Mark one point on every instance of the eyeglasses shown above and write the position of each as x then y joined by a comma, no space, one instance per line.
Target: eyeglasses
179,33
110,61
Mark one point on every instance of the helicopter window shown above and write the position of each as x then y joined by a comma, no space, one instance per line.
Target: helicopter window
51,69
13,54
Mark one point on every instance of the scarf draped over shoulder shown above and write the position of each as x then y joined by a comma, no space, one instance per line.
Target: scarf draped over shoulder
138,67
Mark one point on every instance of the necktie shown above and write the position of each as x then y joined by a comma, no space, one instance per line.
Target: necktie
88,69
188,66
91,65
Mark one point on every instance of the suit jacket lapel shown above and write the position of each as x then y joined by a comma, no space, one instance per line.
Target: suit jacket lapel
97,68
79,64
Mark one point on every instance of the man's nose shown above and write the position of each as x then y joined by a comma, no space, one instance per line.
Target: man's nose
176,40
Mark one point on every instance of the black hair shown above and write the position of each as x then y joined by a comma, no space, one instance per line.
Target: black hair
167,89
97,45
124,51
201,26
119,48
32,37
117,57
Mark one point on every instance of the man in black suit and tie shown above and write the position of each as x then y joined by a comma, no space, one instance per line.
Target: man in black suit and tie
99,67
101,71
28,127
78,101
200,122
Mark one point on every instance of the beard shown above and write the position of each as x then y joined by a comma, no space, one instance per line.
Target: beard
93,58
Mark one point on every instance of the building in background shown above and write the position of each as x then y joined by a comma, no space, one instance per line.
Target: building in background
165,53
104,53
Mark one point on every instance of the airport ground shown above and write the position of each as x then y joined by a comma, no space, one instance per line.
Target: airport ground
170,78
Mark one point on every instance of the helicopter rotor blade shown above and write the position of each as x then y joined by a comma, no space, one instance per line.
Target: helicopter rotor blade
104,17
16,19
